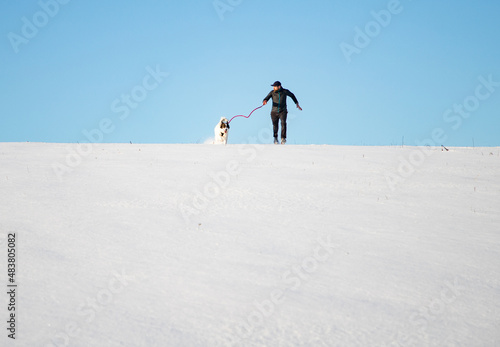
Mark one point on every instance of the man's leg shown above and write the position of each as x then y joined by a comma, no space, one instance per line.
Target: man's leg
275,117
283,124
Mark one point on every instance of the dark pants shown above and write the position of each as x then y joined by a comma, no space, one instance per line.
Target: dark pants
276,117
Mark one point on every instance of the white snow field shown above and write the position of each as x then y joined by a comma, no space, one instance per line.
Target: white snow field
250,245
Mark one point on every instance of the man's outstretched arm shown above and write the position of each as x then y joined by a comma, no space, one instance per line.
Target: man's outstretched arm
266,99
290,94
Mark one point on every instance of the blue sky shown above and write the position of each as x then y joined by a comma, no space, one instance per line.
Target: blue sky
365,72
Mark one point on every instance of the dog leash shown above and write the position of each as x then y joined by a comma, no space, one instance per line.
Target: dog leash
240,115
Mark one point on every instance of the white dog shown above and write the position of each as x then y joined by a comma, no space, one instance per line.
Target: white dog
220,131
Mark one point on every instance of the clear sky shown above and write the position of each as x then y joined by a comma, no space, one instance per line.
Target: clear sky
364,72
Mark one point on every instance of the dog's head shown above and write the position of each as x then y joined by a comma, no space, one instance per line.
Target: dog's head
224,125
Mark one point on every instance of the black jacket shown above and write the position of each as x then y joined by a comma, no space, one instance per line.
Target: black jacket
279,99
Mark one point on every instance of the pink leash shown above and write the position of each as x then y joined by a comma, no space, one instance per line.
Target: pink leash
240,115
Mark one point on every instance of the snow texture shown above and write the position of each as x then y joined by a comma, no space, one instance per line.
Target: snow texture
251,245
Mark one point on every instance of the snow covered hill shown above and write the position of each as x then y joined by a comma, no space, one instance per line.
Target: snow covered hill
250,245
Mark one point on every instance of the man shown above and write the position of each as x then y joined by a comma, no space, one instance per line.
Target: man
279,111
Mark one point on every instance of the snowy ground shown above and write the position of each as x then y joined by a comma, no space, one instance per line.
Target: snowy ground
251,245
